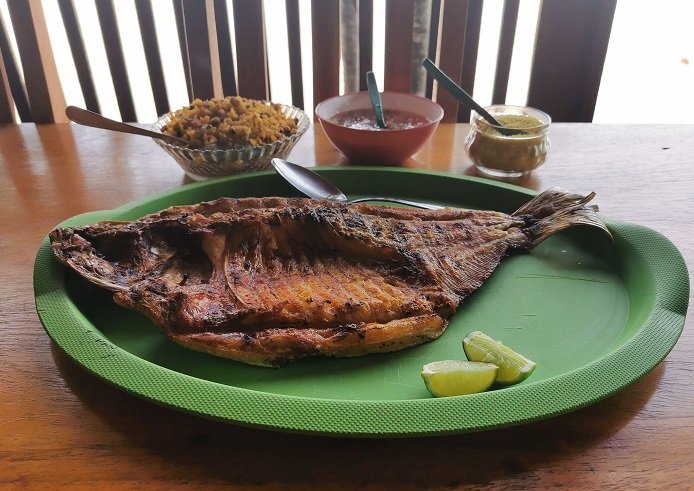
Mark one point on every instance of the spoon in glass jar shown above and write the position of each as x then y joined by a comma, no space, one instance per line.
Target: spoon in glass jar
465,98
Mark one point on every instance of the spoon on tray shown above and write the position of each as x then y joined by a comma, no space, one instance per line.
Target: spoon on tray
96,120
316,186
375,98
465,98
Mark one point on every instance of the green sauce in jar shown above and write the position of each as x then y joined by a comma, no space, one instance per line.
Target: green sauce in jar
500,154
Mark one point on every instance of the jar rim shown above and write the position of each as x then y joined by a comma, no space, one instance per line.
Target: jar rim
500,109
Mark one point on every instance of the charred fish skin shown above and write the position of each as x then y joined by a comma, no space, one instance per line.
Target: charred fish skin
266,281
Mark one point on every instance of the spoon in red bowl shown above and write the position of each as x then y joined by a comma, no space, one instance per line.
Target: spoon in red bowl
96,120
375,98
316,186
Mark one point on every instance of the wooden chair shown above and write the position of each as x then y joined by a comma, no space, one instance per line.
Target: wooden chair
570,50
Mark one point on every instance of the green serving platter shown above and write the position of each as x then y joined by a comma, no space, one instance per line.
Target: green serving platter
595,313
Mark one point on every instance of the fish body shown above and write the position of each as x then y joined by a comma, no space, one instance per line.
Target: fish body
269,280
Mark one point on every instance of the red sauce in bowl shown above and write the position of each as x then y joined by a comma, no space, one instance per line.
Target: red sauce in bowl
364,119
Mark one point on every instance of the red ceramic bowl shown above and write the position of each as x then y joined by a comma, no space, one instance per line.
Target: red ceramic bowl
376,146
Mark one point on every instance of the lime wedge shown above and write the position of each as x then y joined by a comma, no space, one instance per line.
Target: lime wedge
456,377
513,368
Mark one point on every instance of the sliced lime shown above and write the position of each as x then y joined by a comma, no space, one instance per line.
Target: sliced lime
456,377
513,367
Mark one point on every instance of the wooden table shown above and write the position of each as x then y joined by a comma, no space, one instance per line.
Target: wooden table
61,427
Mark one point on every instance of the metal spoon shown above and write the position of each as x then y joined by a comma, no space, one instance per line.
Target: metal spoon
465,98
96,120
316,186
375,97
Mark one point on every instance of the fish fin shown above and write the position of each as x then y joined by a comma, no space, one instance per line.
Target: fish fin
554,210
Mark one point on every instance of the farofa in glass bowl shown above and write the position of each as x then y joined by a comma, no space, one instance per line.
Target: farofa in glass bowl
231,135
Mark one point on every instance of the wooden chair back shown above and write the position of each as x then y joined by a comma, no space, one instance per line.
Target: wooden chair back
569,54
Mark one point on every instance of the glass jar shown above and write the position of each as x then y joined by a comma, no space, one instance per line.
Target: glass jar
499,152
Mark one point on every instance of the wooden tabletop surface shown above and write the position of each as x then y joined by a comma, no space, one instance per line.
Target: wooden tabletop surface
60,427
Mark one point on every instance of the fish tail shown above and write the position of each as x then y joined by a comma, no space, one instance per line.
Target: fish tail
554,210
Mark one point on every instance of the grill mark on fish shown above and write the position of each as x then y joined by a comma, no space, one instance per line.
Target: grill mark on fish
269,280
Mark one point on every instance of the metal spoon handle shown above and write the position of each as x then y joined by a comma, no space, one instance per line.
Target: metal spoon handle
316,186
416,204
95,120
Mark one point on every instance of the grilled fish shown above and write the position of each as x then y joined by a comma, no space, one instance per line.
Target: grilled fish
269,280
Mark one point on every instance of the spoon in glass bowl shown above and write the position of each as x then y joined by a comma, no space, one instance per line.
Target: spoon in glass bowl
316,186
96,120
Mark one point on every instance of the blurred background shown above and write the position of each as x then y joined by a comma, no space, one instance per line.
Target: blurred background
649,55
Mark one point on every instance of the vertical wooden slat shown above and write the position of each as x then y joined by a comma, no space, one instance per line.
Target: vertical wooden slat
398,49
14,80
349,44
251,51
294,46
509,20
226,56
366,39
182,44
197,35
6,106
450,60
116,59
145,19
214,48
473,22
420,46
79,54
267,72
434,30
325,27
41,80
50,69
570,50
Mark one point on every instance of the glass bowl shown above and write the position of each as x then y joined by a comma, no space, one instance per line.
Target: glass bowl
208,162
499,154
366,144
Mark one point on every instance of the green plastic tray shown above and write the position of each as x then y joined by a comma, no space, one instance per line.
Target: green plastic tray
594,314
